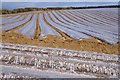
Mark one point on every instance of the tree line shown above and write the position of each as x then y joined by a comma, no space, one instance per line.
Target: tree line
20,10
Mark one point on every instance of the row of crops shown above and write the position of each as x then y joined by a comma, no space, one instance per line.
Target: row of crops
37,61
96,23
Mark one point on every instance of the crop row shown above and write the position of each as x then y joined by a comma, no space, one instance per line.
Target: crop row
58,65
76,24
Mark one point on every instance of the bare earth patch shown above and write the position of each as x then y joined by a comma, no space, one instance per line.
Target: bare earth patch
90,44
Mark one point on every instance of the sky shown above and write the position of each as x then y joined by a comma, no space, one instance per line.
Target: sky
15,5
60,0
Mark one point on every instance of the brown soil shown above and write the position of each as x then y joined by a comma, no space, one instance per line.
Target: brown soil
90,44
38,30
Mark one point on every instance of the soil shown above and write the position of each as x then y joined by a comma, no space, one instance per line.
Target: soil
38,30
90,44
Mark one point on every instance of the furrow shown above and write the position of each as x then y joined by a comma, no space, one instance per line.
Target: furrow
66,36
38,30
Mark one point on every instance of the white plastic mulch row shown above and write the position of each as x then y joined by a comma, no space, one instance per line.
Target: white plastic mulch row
102,16
110,35
13,25
78,24
81,35
63,18
29,28
105,26
88,30
91,21
69,32
93,27
9,19
99,21
16,19
45,28
13,21
112,25
108,26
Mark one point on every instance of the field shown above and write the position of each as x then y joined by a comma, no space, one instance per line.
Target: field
77,24
42,62
80,40
94,26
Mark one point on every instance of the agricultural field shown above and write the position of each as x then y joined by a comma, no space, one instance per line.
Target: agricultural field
60,43
45,62
91,26
101,24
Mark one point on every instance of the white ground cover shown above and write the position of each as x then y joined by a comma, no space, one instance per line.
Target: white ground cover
79,23
54,62
29,28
